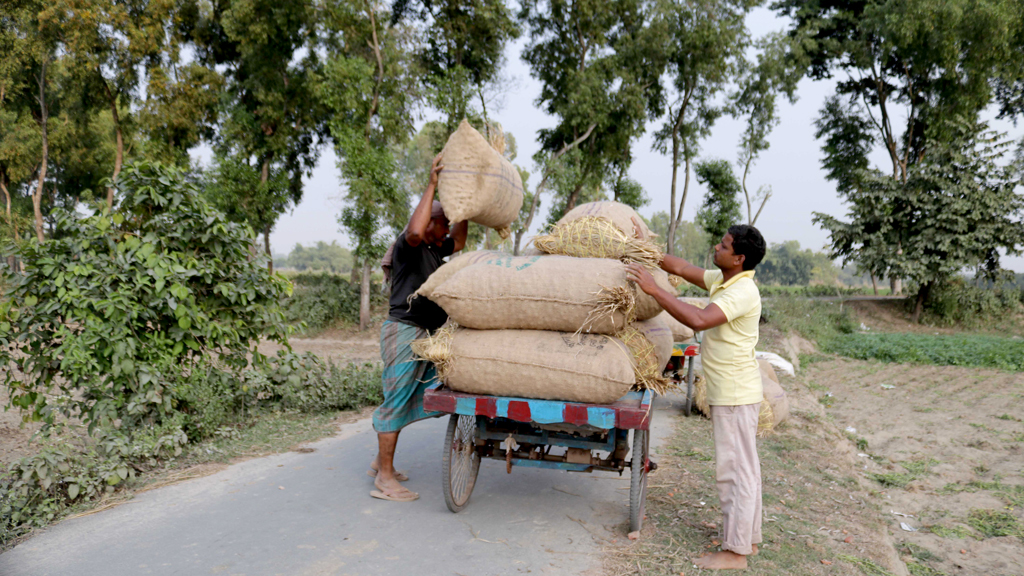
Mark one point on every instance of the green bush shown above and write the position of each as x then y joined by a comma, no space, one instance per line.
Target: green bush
322,299
306,383
118,311
958,302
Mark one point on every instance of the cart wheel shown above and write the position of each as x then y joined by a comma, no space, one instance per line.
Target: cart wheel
638,479
688,405
460,462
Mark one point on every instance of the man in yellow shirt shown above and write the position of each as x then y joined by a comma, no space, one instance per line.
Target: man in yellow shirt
730,325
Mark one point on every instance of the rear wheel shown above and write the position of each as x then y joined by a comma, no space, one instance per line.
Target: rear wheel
638,479
460,462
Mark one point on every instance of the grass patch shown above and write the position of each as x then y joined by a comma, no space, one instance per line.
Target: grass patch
957,532
867,566
971,350
916,569
994,523
914,470
1013,494
817,321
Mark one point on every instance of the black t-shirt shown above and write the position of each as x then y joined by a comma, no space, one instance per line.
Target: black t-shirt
410,267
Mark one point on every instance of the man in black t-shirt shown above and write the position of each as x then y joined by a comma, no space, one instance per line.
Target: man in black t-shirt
417,252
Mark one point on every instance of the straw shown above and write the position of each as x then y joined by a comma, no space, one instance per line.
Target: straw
608,301
765,419
438,349
645,361
597,237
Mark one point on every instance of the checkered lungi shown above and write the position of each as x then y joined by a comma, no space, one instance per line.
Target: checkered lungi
404,378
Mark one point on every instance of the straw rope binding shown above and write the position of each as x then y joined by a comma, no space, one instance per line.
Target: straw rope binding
645,361
438,349
597,237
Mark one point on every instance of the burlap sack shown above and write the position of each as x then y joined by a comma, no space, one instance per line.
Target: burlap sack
650,345
774,395
545,293
531,364
448,269
681,332
658,334
620,215
478,183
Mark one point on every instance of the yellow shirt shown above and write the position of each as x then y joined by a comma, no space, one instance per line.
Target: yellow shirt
727,351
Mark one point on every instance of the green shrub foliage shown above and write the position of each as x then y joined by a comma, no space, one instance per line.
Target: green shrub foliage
119,313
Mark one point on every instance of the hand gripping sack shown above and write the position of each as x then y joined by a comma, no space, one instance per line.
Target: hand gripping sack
478,183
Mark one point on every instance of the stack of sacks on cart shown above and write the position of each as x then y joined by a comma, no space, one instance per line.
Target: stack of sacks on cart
563,324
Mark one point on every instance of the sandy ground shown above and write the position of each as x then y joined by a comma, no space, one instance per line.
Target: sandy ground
960,425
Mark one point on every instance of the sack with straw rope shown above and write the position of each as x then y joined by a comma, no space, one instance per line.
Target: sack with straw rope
650,343
545,293
448,269
478,183
597,237
541,364
618,213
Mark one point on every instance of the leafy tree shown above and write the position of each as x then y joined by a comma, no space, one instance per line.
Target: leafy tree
958,207
755,101
322,256
910,62
704,50
123,311
463,52
691,242
272,118
368,86
599,65
785,264
721,208
106,45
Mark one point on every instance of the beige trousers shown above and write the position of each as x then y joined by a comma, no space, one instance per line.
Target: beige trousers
739,475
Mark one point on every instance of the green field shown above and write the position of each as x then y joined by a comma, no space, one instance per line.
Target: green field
957,350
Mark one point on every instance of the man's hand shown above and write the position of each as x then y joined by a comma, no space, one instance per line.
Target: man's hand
435,169
637,273
637,228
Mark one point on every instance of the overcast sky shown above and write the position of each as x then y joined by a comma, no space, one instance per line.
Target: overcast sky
791,166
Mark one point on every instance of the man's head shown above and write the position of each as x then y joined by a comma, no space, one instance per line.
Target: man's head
438,228
742,247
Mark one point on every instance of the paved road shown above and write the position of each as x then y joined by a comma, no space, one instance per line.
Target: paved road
310,514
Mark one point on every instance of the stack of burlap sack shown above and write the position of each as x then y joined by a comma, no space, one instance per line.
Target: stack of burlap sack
563,324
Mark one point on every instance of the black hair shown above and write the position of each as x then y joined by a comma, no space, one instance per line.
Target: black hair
747,241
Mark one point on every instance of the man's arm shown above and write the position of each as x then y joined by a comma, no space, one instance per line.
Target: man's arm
421,216
675,265
459,233
690,315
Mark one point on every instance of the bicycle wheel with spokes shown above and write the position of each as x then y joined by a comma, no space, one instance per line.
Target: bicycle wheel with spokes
460,462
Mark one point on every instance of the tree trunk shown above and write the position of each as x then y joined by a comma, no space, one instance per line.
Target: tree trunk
266,248
671,240
364,296
37,196
12,260
119,138
922,296
574,196
874,284
896,286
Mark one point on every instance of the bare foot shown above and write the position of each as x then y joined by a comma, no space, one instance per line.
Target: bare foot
754,551
724,560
